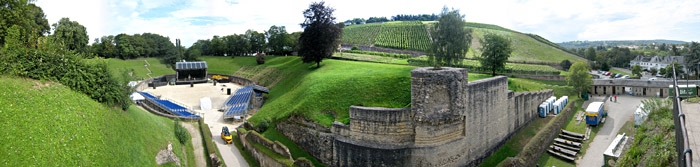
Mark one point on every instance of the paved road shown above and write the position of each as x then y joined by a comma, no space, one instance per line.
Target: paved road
692,114
231,155
198,148
618,113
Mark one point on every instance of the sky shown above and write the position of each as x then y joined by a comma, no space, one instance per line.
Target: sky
556,20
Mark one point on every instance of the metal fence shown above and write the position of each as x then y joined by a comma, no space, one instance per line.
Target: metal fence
682,144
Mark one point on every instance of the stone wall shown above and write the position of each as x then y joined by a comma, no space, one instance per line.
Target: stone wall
451,122
248,138
315,139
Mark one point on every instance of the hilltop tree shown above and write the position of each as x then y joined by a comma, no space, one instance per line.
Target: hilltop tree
30,20
71,34
450,39
495,51
256,40
637,70
653,71
321,36
579,78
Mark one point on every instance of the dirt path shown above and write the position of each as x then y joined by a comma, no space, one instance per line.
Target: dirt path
196,144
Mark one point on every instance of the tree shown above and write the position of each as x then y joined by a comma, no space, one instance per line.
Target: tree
579,78
450,39
565,64
590,53
637,70
675,51
29,19
605,67
692,58
669,70
495,50
662,71
321,36
257,41
278,40
653,71
71,34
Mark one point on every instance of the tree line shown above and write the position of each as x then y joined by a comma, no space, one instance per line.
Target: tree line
29,50
275,40
399,17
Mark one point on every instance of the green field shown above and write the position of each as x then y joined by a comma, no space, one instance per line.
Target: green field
405,35
47,123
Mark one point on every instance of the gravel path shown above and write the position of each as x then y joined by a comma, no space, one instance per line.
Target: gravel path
197,144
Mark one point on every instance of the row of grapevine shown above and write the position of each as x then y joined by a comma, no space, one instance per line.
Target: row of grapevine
404,35
361,34
511,68
394,55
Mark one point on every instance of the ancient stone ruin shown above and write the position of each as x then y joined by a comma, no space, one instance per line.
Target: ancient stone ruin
451,122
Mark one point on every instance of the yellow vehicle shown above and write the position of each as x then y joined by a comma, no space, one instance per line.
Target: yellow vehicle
226,135
218,77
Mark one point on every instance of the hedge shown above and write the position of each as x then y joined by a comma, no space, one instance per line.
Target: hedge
209,144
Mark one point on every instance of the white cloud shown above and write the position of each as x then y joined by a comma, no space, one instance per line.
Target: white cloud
557,20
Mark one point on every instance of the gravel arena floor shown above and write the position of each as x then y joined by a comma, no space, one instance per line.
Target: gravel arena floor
190,96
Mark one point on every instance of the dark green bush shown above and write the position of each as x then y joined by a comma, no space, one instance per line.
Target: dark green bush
51,62
355,48
263,125
180,132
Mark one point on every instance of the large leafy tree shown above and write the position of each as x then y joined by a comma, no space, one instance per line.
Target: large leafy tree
71,34
30,20
450,39
278,40
495,50
321,36
579,78
257,41
692,58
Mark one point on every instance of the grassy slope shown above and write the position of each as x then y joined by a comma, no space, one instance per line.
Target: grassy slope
54,125
525,48
117,66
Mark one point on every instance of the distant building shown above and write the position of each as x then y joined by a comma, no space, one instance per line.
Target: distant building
649,62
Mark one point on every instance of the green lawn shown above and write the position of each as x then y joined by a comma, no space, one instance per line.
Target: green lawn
294,149
54,125
117,66
227,65
620,72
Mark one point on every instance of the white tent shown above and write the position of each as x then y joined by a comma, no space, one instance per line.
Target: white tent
136,97
205,103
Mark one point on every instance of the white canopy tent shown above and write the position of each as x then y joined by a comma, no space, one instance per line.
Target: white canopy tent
136,97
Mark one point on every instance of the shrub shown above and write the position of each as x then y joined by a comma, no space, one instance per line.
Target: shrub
355,48
260,58
180,132
263,125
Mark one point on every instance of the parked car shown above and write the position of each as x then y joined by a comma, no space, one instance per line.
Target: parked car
607,73
618,75
652,79
659,75
625,77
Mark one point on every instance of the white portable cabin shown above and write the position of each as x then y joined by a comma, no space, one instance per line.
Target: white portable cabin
560,104
550,102
542,110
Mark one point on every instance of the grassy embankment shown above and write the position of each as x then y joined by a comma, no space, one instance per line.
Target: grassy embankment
47,123
118,66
